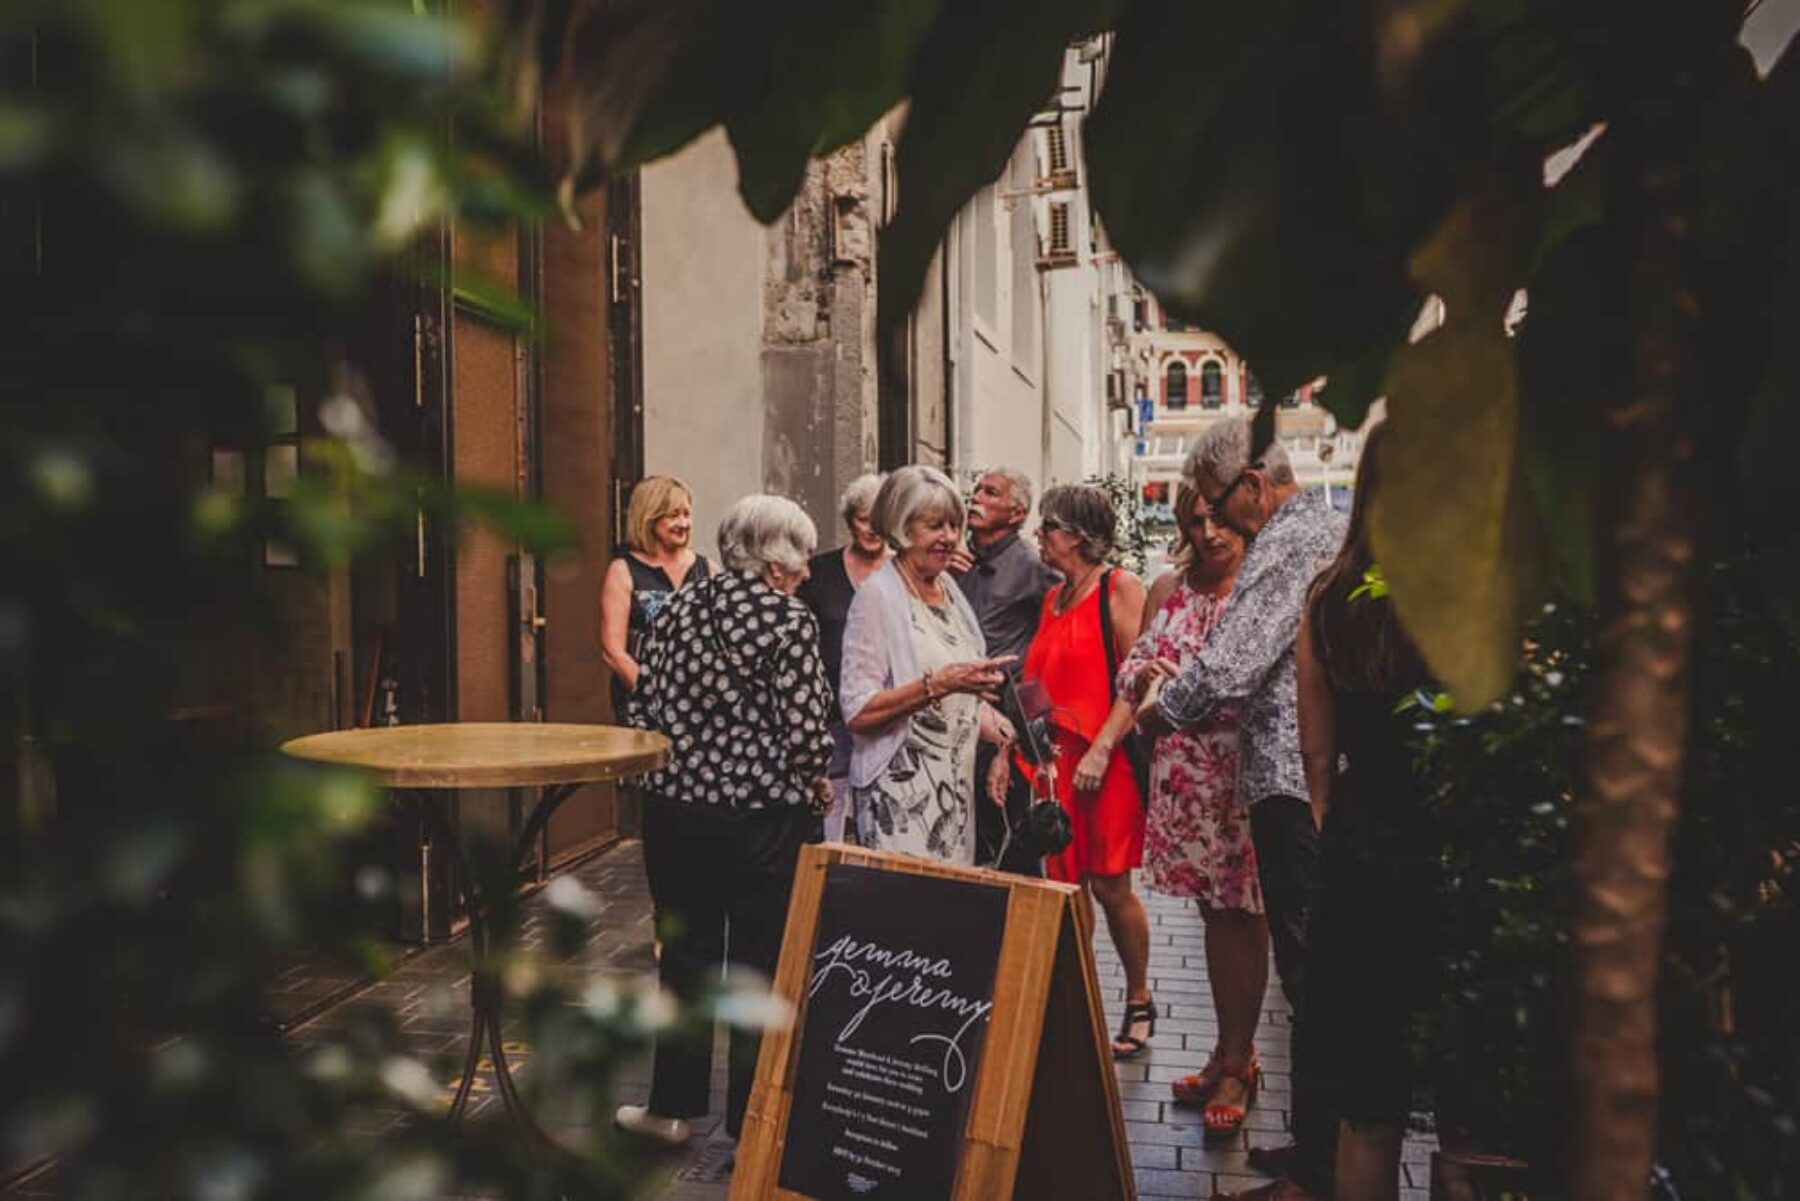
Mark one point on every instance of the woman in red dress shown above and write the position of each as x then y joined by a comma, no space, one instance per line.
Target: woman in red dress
1088,625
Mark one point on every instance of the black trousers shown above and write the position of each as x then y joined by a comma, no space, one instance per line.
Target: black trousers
990,822
1287,859
719,879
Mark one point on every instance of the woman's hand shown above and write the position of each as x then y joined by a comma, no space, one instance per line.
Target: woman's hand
1148,718
1160,669
977,677
995,728
999,777
1091,771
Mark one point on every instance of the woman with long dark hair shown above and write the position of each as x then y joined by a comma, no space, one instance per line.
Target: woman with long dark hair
1356,668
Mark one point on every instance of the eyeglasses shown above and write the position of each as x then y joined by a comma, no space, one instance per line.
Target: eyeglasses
1216,506
1047,524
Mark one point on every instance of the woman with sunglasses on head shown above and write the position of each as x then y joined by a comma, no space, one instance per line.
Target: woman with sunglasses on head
1197,839
1089,622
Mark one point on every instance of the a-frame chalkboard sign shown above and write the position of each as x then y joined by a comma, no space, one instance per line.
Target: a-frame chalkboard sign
949,1042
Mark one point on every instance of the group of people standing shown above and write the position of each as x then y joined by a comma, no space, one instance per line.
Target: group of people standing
1201,729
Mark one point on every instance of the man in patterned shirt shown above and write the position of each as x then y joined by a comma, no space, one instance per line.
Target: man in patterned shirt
1249,663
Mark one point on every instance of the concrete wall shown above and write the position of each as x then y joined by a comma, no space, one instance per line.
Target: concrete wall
703,262
759,363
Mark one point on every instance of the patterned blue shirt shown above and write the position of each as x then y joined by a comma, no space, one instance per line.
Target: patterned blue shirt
1249,660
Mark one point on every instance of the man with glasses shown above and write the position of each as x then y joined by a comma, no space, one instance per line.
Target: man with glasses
1248,663
1004,581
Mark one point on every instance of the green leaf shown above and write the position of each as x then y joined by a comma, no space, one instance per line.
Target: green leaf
1275,198
1572,341
645,79
825,71
1452,525
980,75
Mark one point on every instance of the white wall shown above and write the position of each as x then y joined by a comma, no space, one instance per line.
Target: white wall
998,396
704,258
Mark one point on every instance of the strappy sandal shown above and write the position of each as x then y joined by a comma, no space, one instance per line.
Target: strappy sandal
1224,1119
1197,1089
1135,1012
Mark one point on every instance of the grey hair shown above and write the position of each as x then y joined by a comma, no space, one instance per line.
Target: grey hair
1019,484
1088,513
763,531
1222,452
907,492
859,497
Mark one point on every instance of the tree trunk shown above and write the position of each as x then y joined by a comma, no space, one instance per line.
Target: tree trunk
1637,727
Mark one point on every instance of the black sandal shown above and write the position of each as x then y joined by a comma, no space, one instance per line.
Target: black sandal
1135,1012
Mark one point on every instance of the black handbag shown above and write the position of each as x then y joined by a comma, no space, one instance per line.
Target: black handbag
1137,748
1045,829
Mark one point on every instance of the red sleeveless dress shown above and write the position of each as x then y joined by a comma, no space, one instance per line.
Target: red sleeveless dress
1068,658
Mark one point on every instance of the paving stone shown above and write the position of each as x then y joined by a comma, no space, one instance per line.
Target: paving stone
1170,1152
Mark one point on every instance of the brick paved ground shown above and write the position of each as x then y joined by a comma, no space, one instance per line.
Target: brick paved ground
429,993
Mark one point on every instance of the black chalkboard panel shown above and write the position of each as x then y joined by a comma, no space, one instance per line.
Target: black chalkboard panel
899,993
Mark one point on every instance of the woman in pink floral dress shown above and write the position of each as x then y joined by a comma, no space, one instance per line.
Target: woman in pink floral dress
1197,840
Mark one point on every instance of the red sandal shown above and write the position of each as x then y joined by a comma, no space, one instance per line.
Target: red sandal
1224,1119
1197,1089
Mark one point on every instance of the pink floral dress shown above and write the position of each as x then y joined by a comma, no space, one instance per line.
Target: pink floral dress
1197,838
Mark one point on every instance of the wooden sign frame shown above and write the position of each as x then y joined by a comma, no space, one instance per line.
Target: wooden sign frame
1045,1119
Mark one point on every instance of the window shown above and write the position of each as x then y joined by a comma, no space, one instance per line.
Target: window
1059,230
987,257
1175,386
1025,296
1253,396
1212,385
270,476
1056,145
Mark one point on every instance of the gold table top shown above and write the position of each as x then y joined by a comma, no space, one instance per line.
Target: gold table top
487,754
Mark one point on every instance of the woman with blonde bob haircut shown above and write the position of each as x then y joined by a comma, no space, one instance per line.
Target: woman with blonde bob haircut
917,681
659,525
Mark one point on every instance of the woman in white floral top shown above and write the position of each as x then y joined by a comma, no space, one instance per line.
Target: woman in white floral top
1197,837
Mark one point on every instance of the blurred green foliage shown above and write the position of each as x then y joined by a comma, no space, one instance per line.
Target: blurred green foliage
1502,785
201,200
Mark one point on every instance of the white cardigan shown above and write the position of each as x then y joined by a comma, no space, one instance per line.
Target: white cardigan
879,655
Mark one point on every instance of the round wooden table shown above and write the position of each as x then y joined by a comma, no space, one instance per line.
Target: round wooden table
421,764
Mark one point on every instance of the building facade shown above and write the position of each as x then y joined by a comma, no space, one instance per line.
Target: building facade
759,359
1168,381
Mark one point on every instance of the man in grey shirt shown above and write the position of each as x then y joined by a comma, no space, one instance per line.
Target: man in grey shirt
1004,581
1248,662
1002,577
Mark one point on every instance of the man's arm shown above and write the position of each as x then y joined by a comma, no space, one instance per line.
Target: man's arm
1258,628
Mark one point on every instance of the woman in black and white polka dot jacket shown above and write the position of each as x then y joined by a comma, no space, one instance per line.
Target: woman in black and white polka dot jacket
732,674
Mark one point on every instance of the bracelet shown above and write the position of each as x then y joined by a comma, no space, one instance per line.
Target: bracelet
926,680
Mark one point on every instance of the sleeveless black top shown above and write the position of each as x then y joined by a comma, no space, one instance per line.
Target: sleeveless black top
650,590
1377,812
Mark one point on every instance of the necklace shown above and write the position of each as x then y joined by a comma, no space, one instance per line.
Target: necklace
1069,595
914,586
